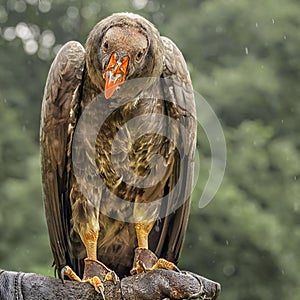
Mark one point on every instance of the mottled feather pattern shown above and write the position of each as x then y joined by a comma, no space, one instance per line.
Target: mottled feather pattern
64,77
74,82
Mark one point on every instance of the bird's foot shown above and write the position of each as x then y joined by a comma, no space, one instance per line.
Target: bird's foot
95,281
97,284
146,260
95,273
165,264
96,268
67,271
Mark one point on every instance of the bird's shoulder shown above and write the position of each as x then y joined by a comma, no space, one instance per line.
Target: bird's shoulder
65,72
64,78
174,62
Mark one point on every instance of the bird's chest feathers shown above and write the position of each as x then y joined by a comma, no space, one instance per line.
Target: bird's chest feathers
118,138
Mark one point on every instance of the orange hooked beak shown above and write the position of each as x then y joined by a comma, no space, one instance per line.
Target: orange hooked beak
114,74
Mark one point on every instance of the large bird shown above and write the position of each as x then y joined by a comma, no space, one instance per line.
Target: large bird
118,134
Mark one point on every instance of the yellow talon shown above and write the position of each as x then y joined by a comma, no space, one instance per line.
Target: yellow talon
67,271
111,276
164,264
139,268
96,283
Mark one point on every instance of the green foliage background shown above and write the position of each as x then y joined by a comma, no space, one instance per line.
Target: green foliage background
244,59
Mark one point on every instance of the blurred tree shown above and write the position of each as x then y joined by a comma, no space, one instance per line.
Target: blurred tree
22,226
243,57
248,67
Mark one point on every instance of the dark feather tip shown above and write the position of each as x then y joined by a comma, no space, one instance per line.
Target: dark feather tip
62,274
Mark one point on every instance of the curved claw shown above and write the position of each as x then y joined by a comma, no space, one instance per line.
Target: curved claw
176,269
112,276
94,281
165,264
67,271
141,266
97,284
101,291
115,277
62,275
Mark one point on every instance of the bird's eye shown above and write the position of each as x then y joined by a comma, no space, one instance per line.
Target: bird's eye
105,45
139,55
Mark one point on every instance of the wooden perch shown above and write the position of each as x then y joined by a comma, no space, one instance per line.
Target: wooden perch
152,285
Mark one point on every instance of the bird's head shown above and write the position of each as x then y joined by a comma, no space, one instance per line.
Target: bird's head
120,47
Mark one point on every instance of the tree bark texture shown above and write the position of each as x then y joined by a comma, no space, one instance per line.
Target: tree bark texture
151,285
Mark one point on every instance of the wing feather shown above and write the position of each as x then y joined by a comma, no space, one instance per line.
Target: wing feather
180,106
61,95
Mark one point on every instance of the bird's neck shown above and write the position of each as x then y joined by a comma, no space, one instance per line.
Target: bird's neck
89,90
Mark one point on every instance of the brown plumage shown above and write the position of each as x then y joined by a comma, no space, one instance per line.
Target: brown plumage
77,78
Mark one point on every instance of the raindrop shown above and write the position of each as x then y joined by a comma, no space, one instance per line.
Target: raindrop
256,24
10,5
246,50
9,33
56,48
273,21
229,269
23,31
284,37
154,6
72,12
32,2
90,10
139,4
44,53
31,46
159,18
281,121
86,12
20,6
35,30
44,6
3,14
47,39
227,242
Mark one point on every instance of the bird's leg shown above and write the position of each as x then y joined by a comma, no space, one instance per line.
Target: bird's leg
144,258
142,232
95,272
142,262
89,238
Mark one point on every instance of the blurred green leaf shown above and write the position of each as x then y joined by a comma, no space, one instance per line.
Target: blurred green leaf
244,59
